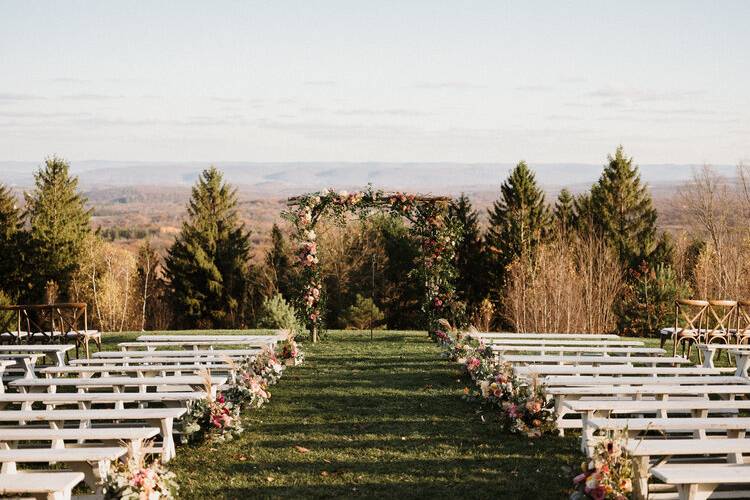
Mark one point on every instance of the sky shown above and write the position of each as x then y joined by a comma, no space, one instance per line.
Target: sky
404,80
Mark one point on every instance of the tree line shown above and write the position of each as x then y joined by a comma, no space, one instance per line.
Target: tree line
595,261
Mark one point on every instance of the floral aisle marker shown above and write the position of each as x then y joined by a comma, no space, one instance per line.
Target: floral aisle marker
216,419
524,407
609,474
436,232
134,479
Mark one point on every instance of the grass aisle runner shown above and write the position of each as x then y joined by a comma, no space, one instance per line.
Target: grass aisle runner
380,418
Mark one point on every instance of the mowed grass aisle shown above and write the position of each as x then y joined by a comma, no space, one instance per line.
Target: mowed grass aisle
381,418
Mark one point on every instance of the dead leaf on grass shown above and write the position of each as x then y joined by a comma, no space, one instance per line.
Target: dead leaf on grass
301,449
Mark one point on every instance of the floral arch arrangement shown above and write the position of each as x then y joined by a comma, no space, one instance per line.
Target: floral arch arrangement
436,232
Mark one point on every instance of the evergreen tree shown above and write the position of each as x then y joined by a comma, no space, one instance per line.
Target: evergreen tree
471,283
10,248
565,212
623,212
518,222
207,265
58,226
278,263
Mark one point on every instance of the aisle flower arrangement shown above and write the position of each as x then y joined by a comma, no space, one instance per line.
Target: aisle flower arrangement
523,405
290,352
609,474
134,479
212,418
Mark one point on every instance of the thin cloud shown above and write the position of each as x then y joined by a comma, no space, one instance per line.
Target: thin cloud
534,88
382,112
91,97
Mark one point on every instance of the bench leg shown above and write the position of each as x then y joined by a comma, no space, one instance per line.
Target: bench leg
695,491
640,477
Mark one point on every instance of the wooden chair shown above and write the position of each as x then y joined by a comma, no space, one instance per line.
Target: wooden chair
721,318
742,335
689,323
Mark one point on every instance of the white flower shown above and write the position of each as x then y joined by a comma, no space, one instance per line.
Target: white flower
311,235
343,194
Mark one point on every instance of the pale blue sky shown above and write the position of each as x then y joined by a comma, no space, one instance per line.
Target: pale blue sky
379,80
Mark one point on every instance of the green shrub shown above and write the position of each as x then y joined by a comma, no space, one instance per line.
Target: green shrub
277,313
359,315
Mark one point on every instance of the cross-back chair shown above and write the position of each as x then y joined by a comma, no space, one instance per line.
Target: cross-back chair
720,322
742,335
690,323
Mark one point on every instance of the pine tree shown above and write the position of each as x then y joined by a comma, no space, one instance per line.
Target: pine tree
564,212
471,283
207,265
623,212
10,245
58,226
278,263
518,222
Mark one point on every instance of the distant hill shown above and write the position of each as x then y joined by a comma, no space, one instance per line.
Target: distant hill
281,179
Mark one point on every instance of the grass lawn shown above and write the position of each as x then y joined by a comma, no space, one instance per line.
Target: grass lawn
380,418
374,418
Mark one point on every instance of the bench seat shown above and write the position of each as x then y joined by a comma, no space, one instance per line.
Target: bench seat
49,485
699,482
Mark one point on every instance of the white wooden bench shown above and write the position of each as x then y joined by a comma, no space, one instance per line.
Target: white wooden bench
208,338
732,427
660,450
568,336
55,352
742,359
709,350
562,342
49,485
118,384
563,394
577,350
148,370
582,380
592,360
163,418
699,482
93,462
193,345
3,365
132,437
23,363
85,400
615,370
181,353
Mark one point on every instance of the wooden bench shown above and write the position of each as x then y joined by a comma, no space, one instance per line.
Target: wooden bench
225,353
158,360
592,360
615,370
562,342
563,394
54,352
132,437
203,338
577,350
84,400
118,384
733,427
660,450
93,462
567,336
148,370
194,345
49,485
709,350
699,482
163,418
582,380
23,363
742,359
